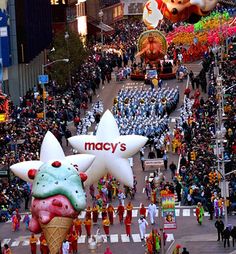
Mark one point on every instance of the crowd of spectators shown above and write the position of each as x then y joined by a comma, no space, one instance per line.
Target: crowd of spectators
198,164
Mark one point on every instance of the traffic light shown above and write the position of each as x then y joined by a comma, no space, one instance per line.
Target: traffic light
44,94
212,177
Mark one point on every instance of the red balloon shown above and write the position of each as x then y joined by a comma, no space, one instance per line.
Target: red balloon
32,173
56,164
83,176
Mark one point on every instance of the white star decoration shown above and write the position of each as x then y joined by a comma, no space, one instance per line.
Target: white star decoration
111,150
51,150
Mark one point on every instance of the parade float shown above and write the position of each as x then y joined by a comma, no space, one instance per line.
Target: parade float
152,48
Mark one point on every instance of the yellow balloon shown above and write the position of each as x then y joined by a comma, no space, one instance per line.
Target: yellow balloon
155,82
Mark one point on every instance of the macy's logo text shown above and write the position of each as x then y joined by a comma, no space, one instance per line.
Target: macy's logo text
104,146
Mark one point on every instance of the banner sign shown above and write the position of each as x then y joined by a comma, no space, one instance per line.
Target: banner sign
168,211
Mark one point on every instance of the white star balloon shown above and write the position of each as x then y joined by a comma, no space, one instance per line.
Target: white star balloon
51,150
111,150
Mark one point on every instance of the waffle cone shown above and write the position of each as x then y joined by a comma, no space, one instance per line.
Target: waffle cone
55,232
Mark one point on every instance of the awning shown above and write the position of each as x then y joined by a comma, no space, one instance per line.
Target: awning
103,27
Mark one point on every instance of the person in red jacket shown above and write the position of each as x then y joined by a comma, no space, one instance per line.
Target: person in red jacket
120,211
142,211
110,211
128,226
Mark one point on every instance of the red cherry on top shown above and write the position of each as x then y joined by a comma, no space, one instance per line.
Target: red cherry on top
32,173
83,176
56,164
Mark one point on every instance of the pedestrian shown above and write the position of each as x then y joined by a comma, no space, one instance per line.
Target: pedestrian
15,222
108,251
26,220
110,211
165,160
106,226
128,226
88,225
142,223
219,224
104,212
95,214
142,211
178,188
148,189
67,135
92,191
6,249
173,169
65,247
43,244
73,242
120,211
233,234
88,213
121,197
78,226
129,209
152,212
199,213
33,244
185,251
226,234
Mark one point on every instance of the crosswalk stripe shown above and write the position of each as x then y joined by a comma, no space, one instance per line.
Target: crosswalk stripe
135,213
15,243
186,212
5,241
170,237
125,238
136,238
114,238
104,238
81,239
177,212
25,243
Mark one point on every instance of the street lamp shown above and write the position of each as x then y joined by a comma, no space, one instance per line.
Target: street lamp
43,67
67,36
219,140
100,15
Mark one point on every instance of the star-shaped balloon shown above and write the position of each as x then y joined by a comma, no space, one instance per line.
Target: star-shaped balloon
111,150
51,150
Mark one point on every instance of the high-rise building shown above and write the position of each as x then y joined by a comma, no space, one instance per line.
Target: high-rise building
30,33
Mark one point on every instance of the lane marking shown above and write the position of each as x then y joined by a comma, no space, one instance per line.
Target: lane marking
15,243
170,237
177,212
125,238
81,239
186,212
136,238
5,241
114,238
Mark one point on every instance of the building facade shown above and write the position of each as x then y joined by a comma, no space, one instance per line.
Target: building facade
30,34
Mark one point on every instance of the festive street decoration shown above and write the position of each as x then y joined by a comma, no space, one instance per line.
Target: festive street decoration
111,150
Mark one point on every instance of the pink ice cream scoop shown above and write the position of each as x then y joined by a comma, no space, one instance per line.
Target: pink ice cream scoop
44,210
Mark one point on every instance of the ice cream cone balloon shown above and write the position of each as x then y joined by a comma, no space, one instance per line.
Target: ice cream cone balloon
58,198
55,232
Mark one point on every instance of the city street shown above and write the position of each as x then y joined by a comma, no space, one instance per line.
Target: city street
188,232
